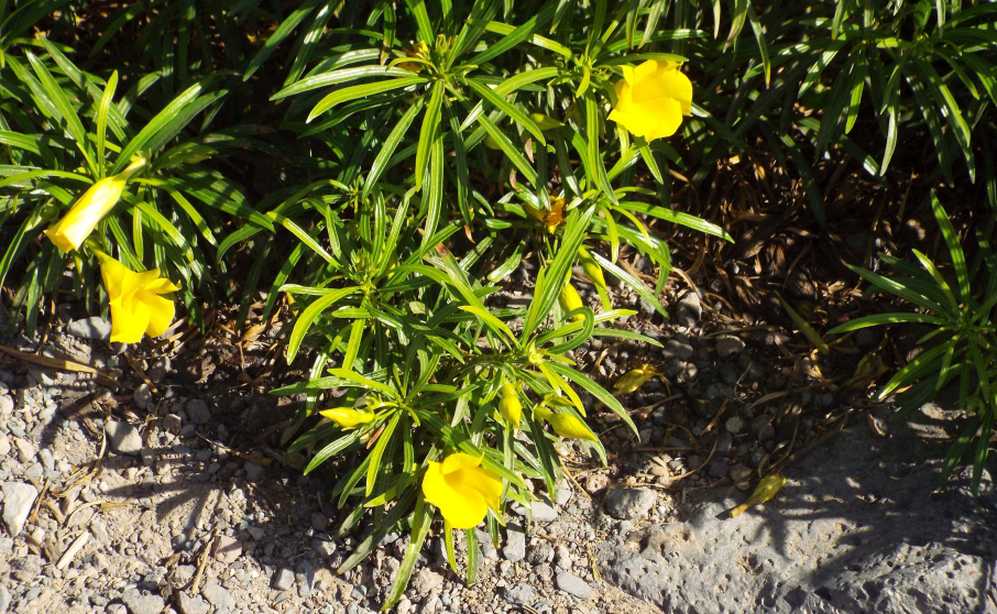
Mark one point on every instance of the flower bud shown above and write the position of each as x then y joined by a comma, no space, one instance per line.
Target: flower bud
72,230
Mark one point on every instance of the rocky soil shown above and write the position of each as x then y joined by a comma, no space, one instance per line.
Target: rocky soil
144,489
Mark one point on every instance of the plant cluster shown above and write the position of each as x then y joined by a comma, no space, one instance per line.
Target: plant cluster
384,169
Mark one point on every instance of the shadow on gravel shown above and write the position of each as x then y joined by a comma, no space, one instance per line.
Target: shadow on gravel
864,524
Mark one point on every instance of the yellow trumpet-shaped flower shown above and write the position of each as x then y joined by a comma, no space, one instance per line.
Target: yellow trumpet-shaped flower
136,305
510,406
74,227
651,99
462,490
347,417
565,424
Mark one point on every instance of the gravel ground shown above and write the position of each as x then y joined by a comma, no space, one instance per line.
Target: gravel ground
166,496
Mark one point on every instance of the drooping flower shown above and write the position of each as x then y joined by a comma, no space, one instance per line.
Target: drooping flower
462,490
651,99
136,305
510,406
347,417
565,424
88,210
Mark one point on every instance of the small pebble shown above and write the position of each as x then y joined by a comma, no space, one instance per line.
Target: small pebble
573,585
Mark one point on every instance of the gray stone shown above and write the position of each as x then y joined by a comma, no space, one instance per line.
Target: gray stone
541,512
427,581
678,350
173,423
139,603
324,546
728,345
6,405
857,529
218,596
563,495
192,604
629,503
94,327
514,549
573,585
283,579
227,549
142,396
690,309
734,425
125,438
26,450
521,594
4,599
253,471
17,501
198,411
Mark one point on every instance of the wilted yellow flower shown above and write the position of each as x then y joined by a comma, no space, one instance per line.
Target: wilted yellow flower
651,99
74,227
136,305
510,406
632,380
347,417
461,489
565,424
768,487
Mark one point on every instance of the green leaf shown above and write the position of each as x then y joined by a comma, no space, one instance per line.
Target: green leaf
511,151
515,36
881,319
168,122
955,248
428,131
374,460
284,30
421,520
364,90
635,284
677,217
307,317
103,107
514,112
380,163
550,278
337,76
65,108
331,449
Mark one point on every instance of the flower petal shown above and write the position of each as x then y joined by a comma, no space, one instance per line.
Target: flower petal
459,461
462,510
161,312
678,87
129,320
113,273
667,120
646,70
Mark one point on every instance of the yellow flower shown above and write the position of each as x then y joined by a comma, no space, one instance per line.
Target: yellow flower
651,99
565,424
136,305
461,489
510,406
347,417
74,227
